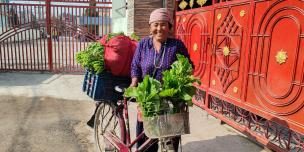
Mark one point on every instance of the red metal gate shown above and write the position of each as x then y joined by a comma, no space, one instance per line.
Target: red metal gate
249,57
45,35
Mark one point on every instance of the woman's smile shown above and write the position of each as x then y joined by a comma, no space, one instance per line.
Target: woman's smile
160,30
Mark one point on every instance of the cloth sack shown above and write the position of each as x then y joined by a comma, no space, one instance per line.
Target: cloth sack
119,52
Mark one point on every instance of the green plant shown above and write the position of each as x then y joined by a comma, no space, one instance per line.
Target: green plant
178,82
111,35
146,94
177,88
135,37
92,58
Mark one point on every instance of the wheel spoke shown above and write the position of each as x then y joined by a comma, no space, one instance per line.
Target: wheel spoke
106,113
107,125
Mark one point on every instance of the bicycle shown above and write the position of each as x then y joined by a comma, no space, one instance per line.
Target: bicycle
112,130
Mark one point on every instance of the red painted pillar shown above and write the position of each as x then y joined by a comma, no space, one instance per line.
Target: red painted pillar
48,29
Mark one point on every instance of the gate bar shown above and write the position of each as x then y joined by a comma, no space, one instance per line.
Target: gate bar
48,28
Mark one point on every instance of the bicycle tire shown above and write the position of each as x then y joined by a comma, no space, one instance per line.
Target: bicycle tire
107,119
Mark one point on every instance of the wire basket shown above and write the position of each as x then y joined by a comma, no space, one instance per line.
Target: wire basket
167,125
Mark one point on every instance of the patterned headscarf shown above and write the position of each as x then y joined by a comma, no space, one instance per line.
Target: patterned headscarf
160,14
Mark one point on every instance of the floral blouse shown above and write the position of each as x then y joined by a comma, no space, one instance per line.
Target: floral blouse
146,61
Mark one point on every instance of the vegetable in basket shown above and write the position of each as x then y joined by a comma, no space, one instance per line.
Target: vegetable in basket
177,87
146,94
111,35
178,83
135,37
92,58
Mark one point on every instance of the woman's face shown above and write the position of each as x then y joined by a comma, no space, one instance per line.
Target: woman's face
160,30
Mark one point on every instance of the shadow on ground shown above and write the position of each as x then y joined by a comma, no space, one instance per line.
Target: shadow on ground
26,79
219,144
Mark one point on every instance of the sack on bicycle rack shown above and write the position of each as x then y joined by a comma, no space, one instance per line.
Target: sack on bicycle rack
102,87
167,125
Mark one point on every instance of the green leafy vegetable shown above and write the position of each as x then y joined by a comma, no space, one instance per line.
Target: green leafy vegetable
146,94
135,37
178,81
177,88
92,58
111,35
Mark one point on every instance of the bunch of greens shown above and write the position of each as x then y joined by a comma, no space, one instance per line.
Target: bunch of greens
177,88
111,35
135,37
178,82
92,58
146,94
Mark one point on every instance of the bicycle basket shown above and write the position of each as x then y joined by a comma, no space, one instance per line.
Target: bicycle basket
167,125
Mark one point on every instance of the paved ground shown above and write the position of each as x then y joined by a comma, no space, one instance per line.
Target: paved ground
41,124
46,112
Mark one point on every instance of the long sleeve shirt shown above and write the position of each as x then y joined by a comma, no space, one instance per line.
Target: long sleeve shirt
145,58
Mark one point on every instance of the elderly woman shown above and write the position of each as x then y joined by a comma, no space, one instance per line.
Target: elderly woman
155,54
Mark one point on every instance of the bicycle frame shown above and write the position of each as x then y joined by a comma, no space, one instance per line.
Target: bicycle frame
125,144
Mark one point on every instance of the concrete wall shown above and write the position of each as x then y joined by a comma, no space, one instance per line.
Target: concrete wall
119,16
130,17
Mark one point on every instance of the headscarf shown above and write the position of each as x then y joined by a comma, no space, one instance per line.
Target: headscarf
160,14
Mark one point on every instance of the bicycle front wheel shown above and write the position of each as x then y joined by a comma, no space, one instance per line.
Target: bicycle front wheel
107,120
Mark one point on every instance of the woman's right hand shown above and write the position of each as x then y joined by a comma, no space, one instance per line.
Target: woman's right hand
134,82
139,113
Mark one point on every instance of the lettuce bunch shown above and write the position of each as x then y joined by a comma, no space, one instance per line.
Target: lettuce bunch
92,58
177,87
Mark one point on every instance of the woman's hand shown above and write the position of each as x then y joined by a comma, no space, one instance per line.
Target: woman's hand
134,82
139,113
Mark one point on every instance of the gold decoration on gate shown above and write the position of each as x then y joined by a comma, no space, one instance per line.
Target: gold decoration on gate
242,13
191,3
219,16
213,82
201,2
235,89
195,47
182,5
281,56
226,51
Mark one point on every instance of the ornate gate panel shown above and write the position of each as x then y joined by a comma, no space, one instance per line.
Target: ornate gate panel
196,30
180,30
199,31
229,40
255,78
276,66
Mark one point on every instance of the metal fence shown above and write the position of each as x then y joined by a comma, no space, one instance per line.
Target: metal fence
45,35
